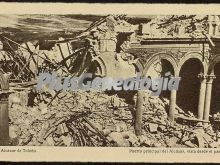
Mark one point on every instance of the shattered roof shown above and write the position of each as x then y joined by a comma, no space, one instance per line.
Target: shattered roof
29,27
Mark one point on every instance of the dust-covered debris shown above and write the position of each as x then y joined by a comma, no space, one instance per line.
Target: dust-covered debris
57,118
101,119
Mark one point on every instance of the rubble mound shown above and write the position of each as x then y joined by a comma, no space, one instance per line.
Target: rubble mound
100,119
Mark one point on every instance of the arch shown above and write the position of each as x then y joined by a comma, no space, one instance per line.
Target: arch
213,63
189,88
193,55
139,67
159,56
215,99
102,65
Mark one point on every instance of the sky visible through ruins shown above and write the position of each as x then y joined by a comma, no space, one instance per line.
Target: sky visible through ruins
27,27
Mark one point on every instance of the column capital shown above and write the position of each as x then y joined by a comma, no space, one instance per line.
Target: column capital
202,77
210,78
4,95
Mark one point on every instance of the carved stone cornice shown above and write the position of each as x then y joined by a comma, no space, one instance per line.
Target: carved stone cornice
144,54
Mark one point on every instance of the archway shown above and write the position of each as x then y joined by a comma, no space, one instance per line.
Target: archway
215,99
97,68
188,92
158,69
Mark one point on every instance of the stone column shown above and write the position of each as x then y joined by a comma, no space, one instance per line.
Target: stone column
4,125
209,82
172,105
202,93
139,111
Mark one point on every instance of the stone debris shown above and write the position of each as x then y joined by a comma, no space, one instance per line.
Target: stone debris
152,128
90,118
97,119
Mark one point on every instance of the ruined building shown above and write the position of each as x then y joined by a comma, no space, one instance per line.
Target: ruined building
123,49
118,46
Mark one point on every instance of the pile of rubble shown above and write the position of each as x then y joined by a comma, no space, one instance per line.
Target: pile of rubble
85,117
100,119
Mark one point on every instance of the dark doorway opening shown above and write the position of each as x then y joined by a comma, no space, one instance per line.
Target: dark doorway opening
215,100
166,67
188,93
